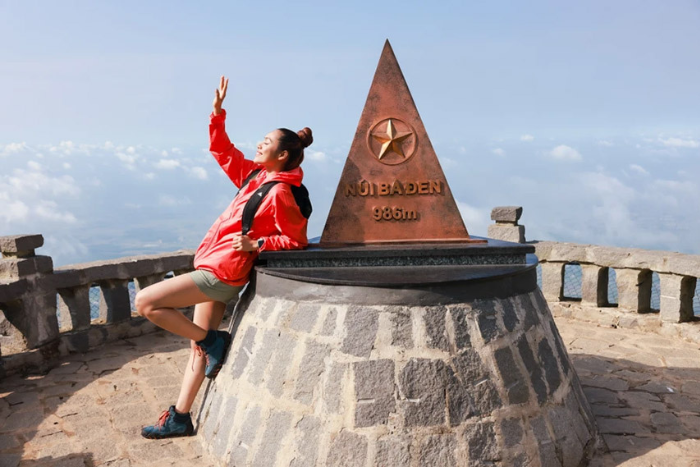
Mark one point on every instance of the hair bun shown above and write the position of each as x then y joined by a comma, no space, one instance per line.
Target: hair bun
306,137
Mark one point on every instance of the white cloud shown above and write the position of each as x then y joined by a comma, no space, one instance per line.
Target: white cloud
639,169
563,152
610,208
68,148
199,172
167,164
605,143
38,182
12,210
66,165
127,159
34,165
448,162
317,156
499,152
686,187
475,219
13,148
527,138
49,210
170,201
680,143
64,248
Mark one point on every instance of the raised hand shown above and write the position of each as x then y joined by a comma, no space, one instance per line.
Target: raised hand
220,95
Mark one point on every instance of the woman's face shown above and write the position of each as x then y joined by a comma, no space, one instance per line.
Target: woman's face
268,153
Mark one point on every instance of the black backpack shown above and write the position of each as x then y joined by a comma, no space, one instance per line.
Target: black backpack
301,196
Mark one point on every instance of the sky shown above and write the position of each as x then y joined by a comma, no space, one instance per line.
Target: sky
586,114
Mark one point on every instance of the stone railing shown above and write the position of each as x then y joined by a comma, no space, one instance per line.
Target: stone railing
46,313
633,268
629,271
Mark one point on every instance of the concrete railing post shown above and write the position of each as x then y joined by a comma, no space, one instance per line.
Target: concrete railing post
33,314
506,227
115,305
74,308
676,297
634,289
553,280
144,281
594,285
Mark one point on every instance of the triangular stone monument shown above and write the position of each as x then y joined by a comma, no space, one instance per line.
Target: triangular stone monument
392,188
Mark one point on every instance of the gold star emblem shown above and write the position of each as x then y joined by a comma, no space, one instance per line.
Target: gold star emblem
391,140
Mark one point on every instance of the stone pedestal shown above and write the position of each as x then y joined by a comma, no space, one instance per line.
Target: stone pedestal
397,366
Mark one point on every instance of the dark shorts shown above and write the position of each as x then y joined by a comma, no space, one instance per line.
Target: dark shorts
213,288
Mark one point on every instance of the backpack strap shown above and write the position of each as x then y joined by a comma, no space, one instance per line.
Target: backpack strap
301,196
251,207
247,180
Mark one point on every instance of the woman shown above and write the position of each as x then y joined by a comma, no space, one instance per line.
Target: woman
224,259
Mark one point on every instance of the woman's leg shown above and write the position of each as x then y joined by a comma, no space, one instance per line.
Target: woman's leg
207,315
158,302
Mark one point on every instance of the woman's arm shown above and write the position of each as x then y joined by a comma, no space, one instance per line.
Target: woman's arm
226,154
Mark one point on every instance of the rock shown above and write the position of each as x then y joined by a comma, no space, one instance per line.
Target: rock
347,450
21,244
508,214
507,233
513,380
374,392
437,450
312,366
361,324
423,384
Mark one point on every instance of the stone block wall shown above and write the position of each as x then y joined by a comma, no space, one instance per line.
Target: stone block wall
315,383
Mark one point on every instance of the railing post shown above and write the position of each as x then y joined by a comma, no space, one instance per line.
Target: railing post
142,282
33,315
676,297
115,305
506,227
74,308
594,285
553,280
634,289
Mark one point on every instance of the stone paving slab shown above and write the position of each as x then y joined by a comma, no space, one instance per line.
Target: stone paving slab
644,390
89,411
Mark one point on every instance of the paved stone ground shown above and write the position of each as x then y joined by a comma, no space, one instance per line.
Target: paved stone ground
644,390
90,410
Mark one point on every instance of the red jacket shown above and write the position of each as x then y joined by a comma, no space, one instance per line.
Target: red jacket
278,219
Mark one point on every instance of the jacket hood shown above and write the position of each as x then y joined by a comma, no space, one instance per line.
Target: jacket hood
293,177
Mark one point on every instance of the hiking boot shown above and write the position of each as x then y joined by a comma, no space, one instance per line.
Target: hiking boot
215,352
170,424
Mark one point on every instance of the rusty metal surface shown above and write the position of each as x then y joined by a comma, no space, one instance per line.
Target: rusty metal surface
392,188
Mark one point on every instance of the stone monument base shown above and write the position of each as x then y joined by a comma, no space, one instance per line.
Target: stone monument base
468,372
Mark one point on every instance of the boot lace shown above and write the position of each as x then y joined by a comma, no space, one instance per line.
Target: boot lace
163,418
